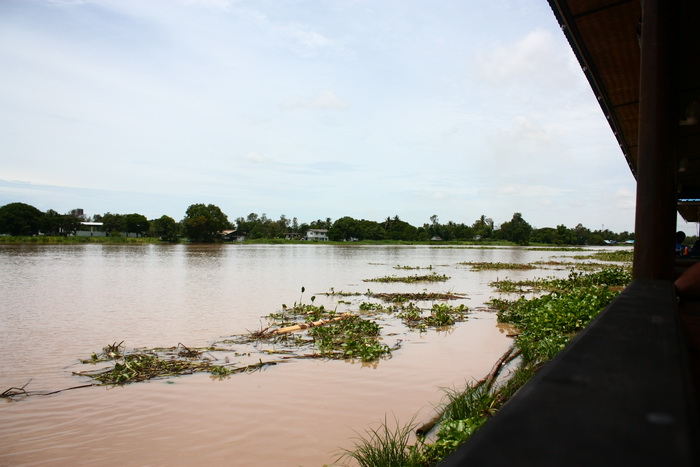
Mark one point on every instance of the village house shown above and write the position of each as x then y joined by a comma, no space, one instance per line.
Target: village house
317,235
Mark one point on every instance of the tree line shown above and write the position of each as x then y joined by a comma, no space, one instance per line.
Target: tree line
206,223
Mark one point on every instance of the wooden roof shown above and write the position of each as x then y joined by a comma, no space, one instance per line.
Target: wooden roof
604,35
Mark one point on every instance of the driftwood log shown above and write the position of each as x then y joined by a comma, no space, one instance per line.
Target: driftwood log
301,327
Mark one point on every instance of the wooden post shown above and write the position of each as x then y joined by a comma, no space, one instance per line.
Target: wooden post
655,218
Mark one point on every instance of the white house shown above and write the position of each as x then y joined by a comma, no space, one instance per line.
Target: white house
91,229
318,235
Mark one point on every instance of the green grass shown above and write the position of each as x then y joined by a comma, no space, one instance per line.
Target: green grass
56,240
385,447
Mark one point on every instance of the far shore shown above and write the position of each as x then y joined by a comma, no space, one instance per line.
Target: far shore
71,240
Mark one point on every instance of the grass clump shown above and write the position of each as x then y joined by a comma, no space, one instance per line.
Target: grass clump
385,446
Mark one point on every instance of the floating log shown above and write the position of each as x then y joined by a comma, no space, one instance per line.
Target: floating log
303,326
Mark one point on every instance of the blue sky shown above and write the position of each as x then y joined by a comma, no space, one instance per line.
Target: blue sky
307,108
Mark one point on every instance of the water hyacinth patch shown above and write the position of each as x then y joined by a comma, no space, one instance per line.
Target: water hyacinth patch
434,277
545,325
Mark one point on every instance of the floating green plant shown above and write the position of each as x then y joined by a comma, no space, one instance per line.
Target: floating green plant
440,314
612,255
434,277
611,276
143,365
480,266
350,338
418,296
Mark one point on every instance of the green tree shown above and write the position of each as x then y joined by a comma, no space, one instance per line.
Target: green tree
166,229
136,223
51,224
344,229
69,224
20,219
203,223
517,230
114,224
396,229
544,235
483,227
370,230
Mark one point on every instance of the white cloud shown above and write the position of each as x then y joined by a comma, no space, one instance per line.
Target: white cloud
625,199
522,190
301,39
256,158
536,56
218,4
309,108
324,100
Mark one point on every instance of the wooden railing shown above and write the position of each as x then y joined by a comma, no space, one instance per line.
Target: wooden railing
621,393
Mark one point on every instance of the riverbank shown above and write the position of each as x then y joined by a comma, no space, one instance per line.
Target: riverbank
72,240
75,240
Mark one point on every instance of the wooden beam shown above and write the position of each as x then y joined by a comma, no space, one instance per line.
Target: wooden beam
655,219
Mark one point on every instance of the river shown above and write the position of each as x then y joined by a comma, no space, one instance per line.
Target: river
60,303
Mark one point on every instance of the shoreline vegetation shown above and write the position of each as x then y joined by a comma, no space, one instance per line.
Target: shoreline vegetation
545,317
468,244
209,224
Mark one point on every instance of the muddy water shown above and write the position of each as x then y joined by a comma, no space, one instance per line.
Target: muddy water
61,303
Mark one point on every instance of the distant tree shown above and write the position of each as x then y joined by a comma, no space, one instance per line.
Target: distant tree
136,223
396,229
371,230
321,224
517,230
114,224
20,219
166,229
483,227
546,235
204,223
69,224
51,224
565,236
78,214
583,235
344,228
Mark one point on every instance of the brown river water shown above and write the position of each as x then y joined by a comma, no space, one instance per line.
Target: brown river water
60,303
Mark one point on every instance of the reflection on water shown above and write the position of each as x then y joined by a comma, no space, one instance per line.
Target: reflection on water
61,303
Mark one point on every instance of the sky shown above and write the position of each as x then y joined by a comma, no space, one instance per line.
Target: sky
305,108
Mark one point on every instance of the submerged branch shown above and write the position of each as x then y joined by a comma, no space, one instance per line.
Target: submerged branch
487,381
